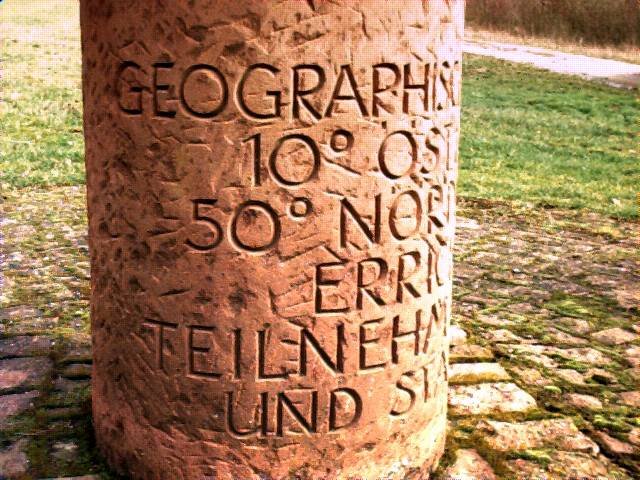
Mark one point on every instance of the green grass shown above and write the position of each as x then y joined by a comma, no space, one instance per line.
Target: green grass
41,128
548,139
527,135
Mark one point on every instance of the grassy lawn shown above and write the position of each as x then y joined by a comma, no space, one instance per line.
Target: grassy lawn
550,139
41,129
528,135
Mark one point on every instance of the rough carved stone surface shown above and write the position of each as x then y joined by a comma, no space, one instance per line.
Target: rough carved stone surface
271,192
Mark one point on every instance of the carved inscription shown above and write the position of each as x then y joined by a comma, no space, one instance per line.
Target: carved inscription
305,91
376,309
271,192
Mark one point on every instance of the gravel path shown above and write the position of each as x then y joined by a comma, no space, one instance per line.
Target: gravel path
613,72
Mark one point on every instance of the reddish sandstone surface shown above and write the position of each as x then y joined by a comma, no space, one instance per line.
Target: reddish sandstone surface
271,193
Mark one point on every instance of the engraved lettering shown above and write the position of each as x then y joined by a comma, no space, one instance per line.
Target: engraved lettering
308,425
192,350
256,140
212,224
231,424
299,91
247,214
222,86
399,336
135,91
334,410
377,88
237,353
382,154
372,235
275,95
320,282
158,109
308,144
404,385
159,331
366,343
382,270
417,215
345,71
334,366
403,275
426,87
262,360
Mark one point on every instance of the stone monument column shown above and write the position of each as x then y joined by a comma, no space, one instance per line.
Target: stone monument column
271,191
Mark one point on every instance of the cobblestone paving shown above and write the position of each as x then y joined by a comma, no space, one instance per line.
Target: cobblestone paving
545,374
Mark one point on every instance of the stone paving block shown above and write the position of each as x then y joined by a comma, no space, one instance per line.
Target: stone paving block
614,336
477,372
487,398
19,312
631,399
632,355
13,461
66,385
531,376
25,346
582,354
582,401
78,351
467,223
31,326
502,336
585,355
613,446
575,325
77,371
561,434
65,451
469,465
494,320
560,337
634,373
563,466
11,405
457,336
634,436
466,352
78,355
601,376
24,373
534,353
571,376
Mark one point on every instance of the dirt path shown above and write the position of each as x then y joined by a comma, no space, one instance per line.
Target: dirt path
613,72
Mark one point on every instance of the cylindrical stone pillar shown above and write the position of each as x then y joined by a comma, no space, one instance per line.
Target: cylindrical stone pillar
271,191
